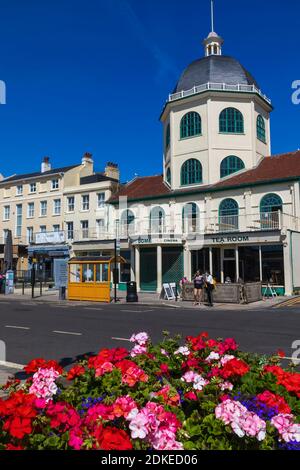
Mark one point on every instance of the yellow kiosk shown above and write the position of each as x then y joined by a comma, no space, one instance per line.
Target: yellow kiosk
90,278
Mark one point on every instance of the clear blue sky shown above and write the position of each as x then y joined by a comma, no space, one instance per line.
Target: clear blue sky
93,75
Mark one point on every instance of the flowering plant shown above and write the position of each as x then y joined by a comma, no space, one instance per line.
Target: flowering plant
204,394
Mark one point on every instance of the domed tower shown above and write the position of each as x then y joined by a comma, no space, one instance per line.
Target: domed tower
216,122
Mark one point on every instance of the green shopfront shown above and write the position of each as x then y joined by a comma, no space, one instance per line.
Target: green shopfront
157,264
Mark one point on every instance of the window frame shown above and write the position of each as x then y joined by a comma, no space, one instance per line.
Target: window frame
30,210
234,168
261,129
54,184
5,216
190,125
55,212
34,185
186,173
85,202
234,124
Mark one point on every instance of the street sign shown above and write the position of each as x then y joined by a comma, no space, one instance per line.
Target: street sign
61,272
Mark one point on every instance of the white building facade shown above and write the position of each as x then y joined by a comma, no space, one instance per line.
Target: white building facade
223,204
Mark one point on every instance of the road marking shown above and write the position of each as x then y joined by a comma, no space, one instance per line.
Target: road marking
121,339
67,333
136,311
18,327
92,308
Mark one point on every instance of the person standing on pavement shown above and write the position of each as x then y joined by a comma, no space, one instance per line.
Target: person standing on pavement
198,288
210,285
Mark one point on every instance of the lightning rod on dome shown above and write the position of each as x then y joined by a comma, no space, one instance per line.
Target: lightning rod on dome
212,15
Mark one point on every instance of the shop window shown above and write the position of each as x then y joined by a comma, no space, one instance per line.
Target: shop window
102,272
125,267
272,265
88,273
249,263
75,273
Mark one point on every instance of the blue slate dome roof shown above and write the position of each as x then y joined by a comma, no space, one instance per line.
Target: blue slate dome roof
215,69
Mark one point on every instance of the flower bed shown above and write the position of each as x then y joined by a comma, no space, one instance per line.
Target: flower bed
200,396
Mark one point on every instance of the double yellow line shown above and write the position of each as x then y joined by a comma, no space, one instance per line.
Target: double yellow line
289,303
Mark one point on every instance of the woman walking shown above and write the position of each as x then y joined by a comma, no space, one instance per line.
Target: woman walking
198,288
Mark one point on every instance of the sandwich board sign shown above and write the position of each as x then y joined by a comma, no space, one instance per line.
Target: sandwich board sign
168,292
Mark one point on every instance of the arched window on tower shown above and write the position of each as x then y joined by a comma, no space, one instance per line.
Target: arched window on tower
168,137
191,172
231,121
190,125
261,128
231,165
229,216
168,176
270,209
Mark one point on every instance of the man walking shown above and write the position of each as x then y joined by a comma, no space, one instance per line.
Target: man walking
209,288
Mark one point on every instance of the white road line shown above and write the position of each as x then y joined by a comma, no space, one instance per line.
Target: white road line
66,333
92,308
121,339
17,327
11,365
136,311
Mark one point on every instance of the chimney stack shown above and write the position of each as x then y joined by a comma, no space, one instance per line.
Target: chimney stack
87,158
112,171
46,165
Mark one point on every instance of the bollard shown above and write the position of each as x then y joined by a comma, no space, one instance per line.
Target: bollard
41,288
23,287
62,293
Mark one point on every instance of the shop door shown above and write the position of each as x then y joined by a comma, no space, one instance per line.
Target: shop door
148,269
229,265
172,264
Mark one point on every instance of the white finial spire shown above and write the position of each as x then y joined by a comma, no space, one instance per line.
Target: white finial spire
212,15
213,43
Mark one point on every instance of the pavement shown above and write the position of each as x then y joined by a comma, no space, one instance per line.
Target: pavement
66,331
145,298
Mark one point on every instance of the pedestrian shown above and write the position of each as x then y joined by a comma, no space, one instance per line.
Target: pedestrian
209,286
198,288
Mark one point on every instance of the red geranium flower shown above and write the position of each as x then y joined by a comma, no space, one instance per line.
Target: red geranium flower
12,447
76,371
274,401
111,438
40,363
234,367
18,427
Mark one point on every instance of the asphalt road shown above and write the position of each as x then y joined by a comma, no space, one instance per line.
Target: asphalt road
64,332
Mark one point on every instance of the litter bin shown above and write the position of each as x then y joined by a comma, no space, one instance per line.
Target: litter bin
131,292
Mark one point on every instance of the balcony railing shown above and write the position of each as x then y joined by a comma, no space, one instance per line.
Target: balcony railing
177,227
218,87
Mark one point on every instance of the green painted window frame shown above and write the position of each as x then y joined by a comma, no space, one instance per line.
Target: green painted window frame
261,128
274,204
190,125
191,172
230,165
231,121
229,215
168,137
168,176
